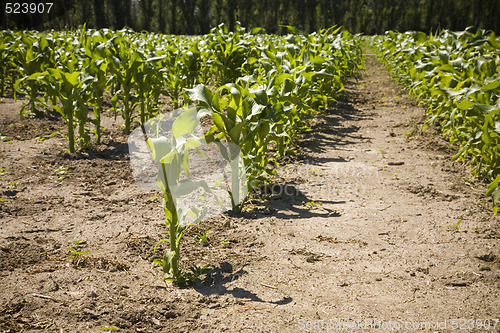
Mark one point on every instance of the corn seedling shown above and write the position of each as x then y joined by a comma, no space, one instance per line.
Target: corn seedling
77,255
69,87
14,184
5,138
34,55
107,328
47,137
313,204
62,171
456,226
152,198
3,171
395,175
201,237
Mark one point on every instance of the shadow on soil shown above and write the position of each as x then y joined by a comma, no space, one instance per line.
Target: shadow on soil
219,288
106,151
285,201
331,132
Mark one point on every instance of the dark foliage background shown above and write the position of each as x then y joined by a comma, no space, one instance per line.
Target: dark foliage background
198,16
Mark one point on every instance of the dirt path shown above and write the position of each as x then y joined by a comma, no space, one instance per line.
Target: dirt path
366,234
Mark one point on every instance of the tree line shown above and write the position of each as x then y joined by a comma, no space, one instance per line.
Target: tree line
199,16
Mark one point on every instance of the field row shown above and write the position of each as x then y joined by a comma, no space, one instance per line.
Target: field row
74,72
456,75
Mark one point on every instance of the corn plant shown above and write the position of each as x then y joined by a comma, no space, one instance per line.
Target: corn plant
9,68
136,69
124,65
95,64
172,157
99,83
228,53
33,56
148,86
249,136
71,90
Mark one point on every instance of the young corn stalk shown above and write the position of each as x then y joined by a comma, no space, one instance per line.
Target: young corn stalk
124,66
34,58
171,157
71,90
97,70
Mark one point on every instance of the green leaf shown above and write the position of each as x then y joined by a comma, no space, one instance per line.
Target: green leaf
43,43
185,187
256,30
72,78
447,68
185,123
203,95
235,133
485,108
292,29
170,158
496,196
170,169
490,86
219,122
59,110
5,138
159,148
261,96
36,76
493,185
465,104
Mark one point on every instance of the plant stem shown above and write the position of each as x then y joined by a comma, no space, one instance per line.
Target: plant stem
235,185
81,125
2,80
97,115
71,129
126,112
32,93
172,220
13,81
143,114
176,97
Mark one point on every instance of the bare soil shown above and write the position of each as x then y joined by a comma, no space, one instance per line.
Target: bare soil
364,226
